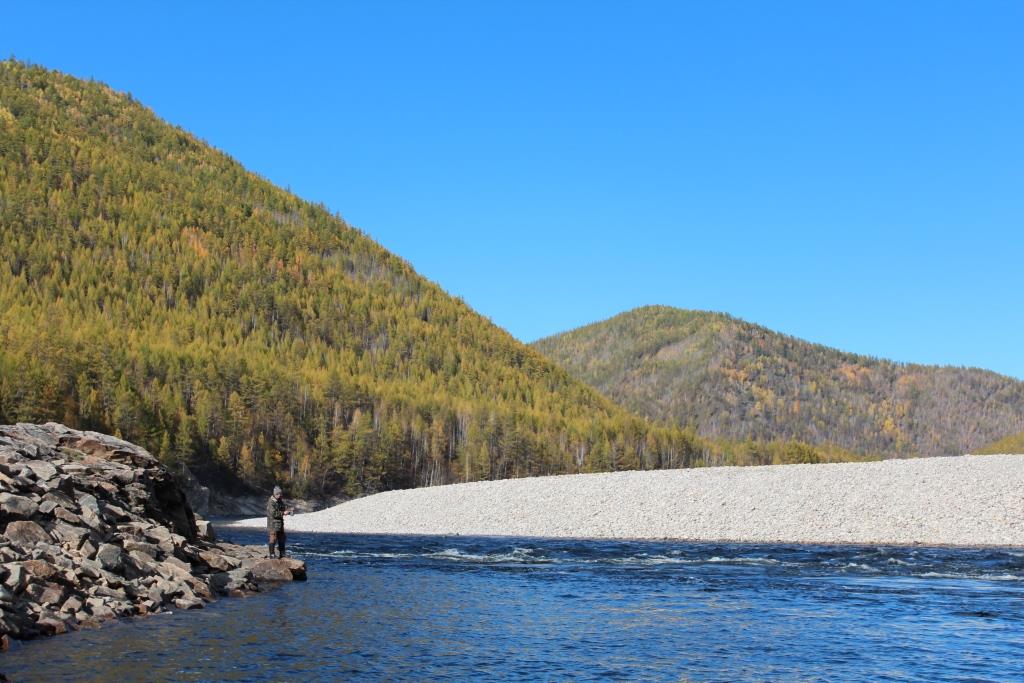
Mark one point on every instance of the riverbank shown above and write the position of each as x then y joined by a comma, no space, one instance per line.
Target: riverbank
967,501
95,528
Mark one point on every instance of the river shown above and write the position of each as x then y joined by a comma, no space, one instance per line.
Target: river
460,608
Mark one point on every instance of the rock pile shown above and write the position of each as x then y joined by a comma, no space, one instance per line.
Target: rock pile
94,528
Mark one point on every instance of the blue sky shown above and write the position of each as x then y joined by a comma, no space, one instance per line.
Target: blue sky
847,172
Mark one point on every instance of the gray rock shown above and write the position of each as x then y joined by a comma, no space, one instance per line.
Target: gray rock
90,568
142,547
111,579
46,551
286,569
62,499
108,592
171,589
142,563
201,587
43,470
234,580
188,603
241,575
26,534
122,608
50,624
17,577
87,501
70,517
45,593
85,620
109,557
205,528
40,569
172,572
22,480
87,549
71,605
71,535
156,595
99,609
54,594
34,590
19,506
18,625
124,476
64,483
179,563
94,520
114,513
219,562
220,582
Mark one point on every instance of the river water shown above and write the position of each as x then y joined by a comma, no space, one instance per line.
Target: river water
442,608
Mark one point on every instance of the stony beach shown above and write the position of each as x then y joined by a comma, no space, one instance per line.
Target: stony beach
966,501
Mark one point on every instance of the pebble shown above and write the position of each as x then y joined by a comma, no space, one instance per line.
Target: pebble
963,501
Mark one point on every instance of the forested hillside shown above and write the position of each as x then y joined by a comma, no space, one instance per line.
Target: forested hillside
1013,443
731,379
153,288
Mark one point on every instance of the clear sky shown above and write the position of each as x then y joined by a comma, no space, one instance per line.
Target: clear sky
847,172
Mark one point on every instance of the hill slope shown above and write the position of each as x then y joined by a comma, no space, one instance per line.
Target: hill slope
737,380
1008,444
152,287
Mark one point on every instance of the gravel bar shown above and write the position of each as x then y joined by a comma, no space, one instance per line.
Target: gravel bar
967,501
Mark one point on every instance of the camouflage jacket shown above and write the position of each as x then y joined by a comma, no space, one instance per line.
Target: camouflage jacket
275,513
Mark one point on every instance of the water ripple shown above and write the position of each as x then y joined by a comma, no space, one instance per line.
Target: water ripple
415,608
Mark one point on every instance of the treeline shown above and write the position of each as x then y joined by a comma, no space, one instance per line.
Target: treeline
153,288
1014,443
776,452
733,380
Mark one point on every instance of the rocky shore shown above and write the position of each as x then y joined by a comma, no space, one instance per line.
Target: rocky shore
968,500
95,528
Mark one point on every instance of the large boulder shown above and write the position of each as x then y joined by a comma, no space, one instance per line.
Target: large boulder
18,506
42,470
219,561
26,533
17,576
205,529
40,569
284,569
110,557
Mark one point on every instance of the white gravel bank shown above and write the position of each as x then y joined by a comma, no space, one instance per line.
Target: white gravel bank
974,500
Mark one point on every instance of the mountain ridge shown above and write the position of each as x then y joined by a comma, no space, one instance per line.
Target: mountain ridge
732,379
729,316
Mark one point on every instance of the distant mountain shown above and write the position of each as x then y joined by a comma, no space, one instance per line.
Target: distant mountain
1008,444
735,380
152,287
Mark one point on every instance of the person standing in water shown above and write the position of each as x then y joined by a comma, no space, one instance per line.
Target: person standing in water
276,511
